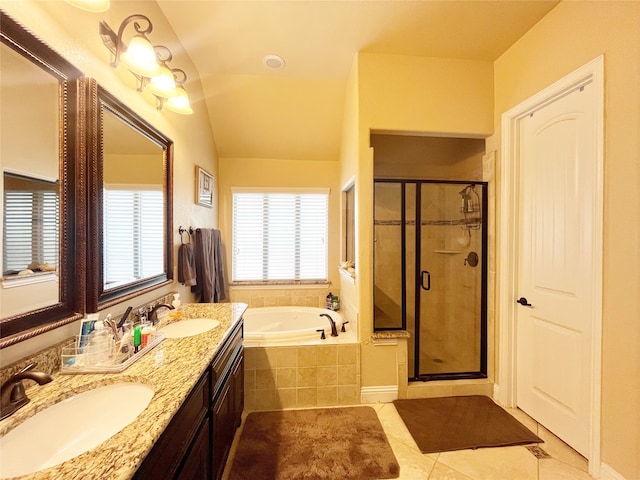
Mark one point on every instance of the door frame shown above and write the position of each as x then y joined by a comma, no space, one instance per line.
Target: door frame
507,243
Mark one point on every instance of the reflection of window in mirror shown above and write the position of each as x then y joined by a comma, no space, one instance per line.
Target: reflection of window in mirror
133,233
30,224
348,227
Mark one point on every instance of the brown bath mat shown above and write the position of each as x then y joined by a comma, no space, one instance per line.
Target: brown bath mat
456,423
326,443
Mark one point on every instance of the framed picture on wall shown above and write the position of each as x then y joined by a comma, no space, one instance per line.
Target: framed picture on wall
204,188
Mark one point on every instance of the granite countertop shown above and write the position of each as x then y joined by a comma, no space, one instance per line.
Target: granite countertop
172,368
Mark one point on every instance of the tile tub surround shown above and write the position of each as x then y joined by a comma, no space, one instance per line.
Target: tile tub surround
172,369
301,376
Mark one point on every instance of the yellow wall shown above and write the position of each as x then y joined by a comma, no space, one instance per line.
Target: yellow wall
74,34
423,94
568,37
134,169
264,172
349,152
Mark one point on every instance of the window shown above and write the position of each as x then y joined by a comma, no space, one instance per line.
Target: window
349,226
279,236
31,223
133,234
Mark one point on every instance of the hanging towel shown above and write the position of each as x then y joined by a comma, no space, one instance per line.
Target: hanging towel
209,265
186,265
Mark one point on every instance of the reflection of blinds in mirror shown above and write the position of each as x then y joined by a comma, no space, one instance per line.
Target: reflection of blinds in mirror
133,235
31,224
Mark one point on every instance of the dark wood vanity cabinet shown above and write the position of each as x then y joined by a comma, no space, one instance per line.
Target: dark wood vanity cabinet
196,444
227,400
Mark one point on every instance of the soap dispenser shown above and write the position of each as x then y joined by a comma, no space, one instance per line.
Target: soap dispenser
176,301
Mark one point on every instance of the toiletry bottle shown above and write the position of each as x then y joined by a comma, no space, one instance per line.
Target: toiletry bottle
100,345
137,338
87,326
147,332
176,301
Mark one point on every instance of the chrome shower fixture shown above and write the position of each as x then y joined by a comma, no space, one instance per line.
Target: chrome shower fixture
470,199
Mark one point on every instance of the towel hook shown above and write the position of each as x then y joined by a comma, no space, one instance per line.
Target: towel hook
182,231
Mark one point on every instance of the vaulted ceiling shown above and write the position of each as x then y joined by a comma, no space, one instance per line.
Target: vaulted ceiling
296,112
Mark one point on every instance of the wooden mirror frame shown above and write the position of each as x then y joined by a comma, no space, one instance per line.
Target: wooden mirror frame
71,270
97,297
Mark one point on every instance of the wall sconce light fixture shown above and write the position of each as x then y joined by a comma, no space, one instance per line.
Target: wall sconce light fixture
148,63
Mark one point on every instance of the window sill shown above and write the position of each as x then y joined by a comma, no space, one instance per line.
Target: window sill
20,280
346,273
274,284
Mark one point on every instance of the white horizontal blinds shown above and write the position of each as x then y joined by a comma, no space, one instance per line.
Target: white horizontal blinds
279,236
31,223
133,235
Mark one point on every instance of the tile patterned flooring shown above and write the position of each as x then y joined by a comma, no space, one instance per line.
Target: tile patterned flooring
498,463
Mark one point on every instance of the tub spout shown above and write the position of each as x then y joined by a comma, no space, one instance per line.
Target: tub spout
334,329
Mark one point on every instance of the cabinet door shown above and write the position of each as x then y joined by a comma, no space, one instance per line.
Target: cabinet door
223,429
198,463
169,452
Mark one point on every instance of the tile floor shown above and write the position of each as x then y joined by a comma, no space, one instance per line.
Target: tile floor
498,463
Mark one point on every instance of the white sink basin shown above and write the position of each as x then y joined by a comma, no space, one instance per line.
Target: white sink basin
71,427
189,327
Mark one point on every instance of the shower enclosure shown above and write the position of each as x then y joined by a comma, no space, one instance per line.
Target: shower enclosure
430,273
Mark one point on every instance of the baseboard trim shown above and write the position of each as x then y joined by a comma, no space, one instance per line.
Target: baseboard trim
608,473
496,393
381,394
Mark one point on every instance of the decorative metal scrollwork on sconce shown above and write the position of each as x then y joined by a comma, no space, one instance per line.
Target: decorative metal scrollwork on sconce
148,63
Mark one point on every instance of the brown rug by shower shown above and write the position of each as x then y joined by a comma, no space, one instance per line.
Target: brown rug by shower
317,444
457,423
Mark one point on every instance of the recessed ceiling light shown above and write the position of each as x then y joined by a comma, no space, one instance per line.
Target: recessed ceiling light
273,62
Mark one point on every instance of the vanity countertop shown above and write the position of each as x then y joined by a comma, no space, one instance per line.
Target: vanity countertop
172,368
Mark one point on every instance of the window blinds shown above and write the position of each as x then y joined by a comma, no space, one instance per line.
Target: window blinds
133,235
279,236
31,223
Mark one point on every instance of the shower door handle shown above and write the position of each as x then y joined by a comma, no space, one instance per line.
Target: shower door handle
425,274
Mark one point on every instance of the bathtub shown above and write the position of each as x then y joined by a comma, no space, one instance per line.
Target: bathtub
284,326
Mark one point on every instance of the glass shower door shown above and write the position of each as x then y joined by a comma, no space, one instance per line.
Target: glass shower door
429,273
450,310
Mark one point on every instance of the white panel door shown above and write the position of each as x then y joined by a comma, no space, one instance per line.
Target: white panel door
555,266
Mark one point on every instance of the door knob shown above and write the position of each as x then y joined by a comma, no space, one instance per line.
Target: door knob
523,301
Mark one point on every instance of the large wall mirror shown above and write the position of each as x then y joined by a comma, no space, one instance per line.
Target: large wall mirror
130,198
42,186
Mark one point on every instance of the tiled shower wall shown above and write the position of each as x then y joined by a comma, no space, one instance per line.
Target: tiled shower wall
301,376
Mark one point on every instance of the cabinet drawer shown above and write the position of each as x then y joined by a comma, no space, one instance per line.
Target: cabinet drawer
165,457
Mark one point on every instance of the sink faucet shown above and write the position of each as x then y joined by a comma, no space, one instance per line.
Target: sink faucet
153,313
12,394
334,329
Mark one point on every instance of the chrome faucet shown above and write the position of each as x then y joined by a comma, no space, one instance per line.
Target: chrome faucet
153,313
334,329
12,394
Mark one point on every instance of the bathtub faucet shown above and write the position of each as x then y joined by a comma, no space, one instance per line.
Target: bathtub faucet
334,329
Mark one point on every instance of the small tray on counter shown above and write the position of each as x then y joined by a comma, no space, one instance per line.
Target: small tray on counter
74,361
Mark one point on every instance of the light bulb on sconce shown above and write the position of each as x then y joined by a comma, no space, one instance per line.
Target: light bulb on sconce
140,58
180,103
164,84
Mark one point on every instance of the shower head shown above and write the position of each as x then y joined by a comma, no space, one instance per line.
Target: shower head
470,203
